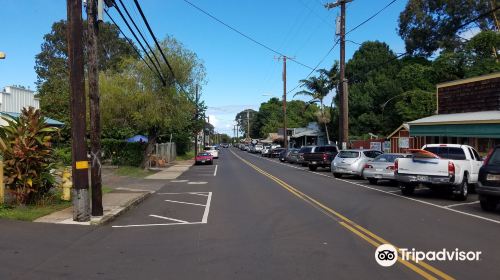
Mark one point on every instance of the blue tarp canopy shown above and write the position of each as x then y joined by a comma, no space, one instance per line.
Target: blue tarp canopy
138,138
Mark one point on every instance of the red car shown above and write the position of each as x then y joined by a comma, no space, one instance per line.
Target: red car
204,158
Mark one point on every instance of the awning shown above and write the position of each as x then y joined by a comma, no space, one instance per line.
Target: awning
49,121
475,124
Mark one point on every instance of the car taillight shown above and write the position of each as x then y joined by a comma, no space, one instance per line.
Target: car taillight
488,157
391,168
325,157
368,166
396,166
451,168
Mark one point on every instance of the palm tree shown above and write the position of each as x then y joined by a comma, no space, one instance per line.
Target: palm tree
317,90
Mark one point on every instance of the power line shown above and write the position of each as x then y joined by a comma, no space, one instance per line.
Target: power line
140,44
158,45
243,34
129,41
140,33
371,17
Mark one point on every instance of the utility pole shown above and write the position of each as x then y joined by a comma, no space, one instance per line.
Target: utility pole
196,120
285,134
344,94
80,165
248,124
95,115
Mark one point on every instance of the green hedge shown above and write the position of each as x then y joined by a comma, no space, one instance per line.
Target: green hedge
121,152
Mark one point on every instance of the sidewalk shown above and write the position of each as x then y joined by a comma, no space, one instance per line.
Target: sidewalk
126,193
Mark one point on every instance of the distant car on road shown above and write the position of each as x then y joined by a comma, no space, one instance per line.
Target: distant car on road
204,158
292,155
352,162
276,152
266,151
320,156
488,186
381,168
302,151
212,150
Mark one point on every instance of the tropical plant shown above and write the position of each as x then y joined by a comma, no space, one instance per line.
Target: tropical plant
26,145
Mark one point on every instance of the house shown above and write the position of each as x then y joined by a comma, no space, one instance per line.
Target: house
14,98
306,136
468,112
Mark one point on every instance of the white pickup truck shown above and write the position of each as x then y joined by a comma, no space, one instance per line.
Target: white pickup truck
439,165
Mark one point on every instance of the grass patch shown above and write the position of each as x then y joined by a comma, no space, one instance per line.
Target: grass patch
32,212
186,156
131,171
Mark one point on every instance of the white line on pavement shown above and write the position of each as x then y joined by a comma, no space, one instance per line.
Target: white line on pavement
465,203
197,183
207,208
171,219
178,181
182,202
197,193
154,225
215,171
405,197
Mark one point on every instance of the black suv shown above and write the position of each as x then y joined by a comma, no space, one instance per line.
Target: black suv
488,186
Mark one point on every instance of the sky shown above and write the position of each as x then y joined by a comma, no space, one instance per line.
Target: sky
240,73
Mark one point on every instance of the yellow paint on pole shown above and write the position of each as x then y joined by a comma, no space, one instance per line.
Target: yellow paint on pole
2,186
82,165
66,185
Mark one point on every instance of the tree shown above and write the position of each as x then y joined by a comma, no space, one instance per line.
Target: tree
318,88
416,104
482,53
427,26
242,121
51,67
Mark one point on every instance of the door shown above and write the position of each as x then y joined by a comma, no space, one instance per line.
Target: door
476,164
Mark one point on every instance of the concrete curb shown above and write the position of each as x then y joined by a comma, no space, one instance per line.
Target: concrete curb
122,209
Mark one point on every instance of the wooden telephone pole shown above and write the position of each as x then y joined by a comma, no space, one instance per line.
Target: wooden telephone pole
344,94
81,206
196,118
285,134
95,115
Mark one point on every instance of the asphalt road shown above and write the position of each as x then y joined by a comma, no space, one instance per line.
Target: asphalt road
248,217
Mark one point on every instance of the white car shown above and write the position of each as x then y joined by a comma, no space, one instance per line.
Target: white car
212,150
439,165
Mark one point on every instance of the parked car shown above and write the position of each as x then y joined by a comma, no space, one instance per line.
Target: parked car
291,155
282,155
302,151
382,168
276,152
352,162
488,185
258,148
320,156
247,148
266,151
439,165
204,158
212,150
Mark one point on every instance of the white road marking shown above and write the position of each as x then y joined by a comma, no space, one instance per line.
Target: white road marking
207,208
171,219
196,193
182,202
154,225
197,183
465,203
215,171
178,181
409,198
133,190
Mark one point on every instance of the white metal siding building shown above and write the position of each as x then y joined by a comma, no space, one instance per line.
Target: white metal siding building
13,99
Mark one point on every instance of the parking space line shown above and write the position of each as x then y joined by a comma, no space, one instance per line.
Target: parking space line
207,208
153,225
406,197
182,202
215,171
171,219
465,203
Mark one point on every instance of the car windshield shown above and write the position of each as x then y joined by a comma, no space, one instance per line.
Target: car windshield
387,158
348,154
447,152
495,157
203,154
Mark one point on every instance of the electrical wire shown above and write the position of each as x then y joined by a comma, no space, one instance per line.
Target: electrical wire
140,44
140,33
371,17
244,35
130,42
158,45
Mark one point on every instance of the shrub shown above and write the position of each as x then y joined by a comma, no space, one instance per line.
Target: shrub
121,152
63,155
28,157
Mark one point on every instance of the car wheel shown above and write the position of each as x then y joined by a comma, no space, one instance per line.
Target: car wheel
313,167
463,190
406,189
337,175
211,162
372,181
488,203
